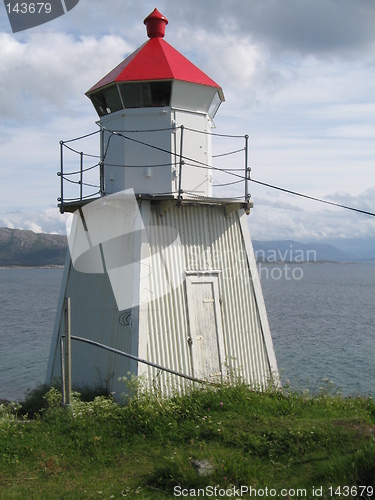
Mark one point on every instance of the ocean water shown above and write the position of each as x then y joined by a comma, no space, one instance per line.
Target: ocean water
28,302
322,319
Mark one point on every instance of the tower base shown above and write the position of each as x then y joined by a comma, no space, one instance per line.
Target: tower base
193,305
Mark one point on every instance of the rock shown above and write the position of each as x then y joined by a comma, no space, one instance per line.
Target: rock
203,467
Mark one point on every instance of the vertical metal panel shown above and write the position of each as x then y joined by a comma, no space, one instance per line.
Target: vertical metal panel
167,328
211,241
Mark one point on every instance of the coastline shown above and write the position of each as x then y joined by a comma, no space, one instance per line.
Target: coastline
265,262
50,266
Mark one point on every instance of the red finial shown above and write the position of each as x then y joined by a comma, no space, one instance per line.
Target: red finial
155,24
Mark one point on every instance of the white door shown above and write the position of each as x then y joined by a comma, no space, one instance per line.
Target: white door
205,326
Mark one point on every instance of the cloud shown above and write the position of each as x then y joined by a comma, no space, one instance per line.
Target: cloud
48,73
237,72
44,221
362,201
320,27
358,131
276,219
115,17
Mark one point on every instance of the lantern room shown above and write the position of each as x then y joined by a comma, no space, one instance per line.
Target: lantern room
155,108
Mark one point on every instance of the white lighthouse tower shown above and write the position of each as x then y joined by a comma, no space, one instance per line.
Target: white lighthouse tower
159,271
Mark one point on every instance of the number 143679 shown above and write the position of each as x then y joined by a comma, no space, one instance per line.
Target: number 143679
351,491
29,8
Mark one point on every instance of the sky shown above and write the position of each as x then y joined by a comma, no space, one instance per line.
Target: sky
297,75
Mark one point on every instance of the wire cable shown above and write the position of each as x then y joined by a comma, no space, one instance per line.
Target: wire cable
230,153
80,199
199,164
227,183
77,172
312,197
214,133
79,138
79,152
125,165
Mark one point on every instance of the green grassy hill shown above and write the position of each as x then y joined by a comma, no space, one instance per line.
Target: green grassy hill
286,444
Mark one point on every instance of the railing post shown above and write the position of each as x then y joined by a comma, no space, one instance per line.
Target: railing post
247,169
62,359
68,364
81,176
181,164
101,163
61,174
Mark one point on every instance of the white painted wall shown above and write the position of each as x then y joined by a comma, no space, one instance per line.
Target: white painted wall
146,156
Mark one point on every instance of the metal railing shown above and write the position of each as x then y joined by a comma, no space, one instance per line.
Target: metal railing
76,184
77,174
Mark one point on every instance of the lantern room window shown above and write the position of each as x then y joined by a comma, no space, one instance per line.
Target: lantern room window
107,100
146,94
132,95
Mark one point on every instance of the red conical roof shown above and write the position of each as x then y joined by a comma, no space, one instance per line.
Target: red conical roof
156,60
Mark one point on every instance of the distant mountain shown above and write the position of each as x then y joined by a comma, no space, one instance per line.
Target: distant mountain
293,251
359,248
26,248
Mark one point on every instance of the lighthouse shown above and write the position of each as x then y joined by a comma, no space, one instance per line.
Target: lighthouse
161,276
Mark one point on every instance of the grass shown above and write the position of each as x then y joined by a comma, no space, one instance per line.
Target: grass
150,445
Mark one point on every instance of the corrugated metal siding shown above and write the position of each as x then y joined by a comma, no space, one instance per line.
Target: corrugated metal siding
167,324
211,241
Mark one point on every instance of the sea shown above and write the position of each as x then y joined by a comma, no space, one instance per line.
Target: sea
321,315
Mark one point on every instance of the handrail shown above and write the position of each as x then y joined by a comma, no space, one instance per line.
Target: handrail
78,175
181,165
247,169
140,360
